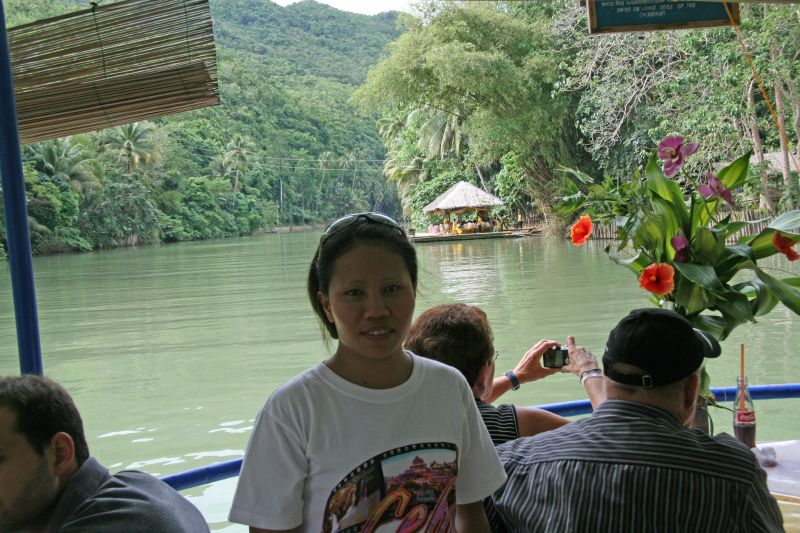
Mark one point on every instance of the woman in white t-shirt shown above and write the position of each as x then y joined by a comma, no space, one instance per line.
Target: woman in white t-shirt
374,438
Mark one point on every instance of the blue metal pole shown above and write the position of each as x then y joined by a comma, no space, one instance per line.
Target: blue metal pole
722,394
217,471
203,475
16,216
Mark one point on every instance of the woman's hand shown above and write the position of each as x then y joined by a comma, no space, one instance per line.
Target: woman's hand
530,367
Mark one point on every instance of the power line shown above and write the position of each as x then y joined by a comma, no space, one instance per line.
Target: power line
307,160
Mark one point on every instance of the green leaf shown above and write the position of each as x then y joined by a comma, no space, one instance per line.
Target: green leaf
730,324
735,174
729,228
667,189
762,300
762,243
636,264
734,305
702,211
703,275
792,282
787,221
668,225
650,235
691,297
707,247
713,324
742,250
786,293
734,259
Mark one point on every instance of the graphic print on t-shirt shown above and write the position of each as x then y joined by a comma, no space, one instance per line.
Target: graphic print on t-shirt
407,489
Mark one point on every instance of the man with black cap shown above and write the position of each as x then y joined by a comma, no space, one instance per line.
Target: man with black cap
634,465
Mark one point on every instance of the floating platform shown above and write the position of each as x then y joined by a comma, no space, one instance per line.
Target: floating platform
439,237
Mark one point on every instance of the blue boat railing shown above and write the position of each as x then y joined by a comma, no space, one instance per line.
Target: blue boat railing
228,469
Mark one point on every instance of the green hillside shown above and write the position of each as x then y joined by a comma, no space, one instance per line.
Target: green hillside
286,137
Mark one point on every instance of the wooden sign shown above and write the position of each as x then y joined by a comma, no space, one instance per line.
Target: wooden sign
607,16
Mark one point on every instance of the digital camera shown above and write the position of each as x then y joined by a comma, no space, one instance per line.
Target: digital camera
556,357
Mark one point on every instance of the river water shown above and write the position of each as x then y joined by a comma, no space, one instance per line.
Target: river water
169,351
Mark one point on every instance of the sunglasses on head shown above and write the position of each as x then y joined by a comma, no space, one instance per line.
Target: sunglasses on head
341,223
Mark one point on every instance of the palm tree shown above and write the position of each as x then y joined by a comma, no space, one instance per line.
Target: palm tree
60,158
221,166
404,174
135,144
324,163
440,135
239,155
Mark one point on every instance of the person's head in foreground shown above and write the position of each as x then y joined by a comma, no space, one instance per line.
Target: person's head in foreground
611,467
654,356
48,481
458,335
362,285
41,445
337,446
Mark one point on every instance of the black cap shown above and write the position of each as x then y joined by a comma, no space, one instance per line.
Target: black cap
662,343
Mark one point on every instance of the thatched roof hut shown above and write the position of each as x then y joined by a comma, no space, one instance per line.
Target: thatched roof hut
462,196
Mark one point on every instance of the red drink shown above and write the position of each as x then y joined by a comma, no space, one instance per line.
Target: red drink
744,415
746,434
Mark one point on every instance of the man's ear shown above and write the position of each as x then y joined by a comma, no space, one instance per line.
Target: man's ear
691,389
326,305
63,449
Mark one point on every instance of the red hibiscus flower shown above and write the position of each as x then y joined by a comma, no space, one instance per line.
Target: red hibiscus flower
581,230
784,245
658,278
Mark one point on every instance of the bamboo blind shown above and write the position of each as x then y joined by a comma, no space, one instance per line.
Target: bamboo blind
111,65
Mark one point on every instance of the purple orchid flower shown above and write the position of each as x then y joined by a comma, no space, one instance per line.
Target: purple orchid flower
715,187
674,151
681,245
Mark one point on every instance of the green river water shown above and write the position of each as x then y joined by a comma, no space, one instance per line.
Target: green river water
169,351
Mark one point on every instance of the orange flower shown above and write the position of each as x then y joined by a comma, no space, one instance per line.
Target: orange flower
658,278
784,245
581,230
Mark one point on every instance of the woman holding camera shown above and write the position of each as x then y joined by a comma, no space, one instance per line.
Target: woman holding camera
459,335
374,437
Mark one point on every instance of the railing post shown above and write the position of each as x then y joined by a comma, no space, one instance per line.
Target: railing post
16,217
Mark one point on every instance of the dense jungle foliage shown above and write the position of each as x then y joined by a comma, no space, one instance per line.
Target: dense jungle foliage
508,95
286,147
319,117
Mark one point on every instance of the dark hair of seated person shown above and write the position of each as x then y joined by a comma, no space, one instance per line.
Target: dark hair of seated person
458,335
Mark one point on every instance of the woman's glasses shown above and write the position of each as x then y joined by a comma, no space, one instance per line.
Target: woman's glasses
495,356
341,223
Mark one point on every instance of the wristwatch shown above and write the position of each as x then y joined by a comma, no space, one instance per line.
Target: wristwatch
588,374
512,377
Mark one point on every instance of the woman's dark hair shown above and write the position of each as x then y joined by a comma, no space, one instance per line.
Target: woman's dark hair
362,230
458,335
43,408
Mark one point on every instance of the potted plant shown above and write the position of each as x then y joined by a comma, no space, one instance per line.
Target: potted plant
680,245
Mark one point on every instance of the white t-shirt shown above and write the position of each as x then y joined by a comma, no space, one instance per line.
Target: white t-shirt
332,455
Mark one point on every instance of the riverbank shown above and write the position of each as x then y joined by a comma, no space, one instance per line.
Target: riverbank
289,229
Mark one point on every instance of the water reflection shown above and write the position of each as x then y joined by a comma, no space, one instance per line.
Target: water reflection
170,351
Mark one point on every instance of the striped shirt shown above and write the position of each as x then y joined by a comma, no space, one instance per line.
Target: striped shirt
631,467
501,421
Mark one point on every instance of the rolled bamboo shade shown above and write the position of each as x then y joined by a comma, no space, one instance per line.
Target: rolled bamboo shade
111,65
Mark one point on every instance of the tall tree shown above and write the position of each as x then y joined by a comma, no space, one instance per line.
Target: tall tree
61,159
134,144
492,68
239,155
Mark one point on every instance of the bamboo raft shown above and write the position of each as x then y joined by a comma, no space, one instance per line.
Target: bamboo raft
439,237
